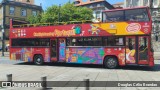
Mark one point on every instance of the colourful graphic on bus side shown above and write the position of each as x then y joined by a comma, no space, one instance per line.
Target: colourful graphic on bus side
26,54
77,29
85,55
129,56
78,55
22,54
93,55
62,47
94,30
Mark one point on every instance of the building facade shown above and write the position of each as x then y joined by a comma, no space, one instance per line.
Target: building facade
18,12
135,3
25,1
96,5
118,5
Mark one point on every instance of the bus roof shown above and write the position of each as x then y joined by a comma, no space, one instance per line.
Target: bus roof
124,9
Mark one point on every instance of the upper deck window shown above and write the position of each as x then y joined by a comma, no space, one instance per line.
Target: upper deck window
146,2
138,15
115,16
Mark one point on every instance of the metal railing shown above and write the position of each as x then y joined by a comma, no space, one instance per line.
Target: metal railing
51,24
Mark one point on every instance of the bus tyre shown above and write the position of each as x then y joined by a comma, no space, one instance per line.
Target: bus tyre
38,59
110,62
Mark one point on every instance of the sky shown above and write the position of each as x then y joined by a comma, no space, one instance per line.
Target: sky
47,3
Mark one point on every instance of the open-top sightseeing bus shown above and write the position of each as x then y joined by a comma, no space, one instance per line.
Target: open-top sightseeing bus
122,38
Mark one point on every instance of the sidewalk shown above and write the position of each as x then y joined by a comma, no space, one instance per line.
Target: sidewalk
157,55
6,54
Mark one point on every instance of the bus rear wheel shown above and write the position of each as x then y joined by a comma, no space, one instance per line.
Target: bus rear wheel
110,62
38,59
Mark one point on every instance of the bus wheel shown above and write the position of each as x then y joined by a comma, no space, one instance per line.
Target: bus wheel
110,62
38,59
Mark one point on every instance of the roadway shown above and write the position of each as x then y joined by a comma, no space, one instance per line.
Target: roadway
73,72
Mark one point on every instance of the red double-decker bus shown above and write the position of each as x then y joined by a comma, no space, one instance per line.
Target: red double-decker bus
122,38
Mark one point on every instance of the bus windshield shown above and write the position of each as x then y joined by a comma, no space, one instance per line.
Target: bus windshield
139,15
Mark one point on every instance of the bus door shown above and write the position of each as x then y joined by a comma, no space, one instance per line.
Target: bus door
62,49
137,50
54,50
131,50
143,51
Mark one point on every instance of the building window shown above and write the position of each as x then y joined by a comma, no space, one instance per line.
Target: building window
135,3
77,2
129,3
98,14
146,3
92,0
23,12
11,10
1,11
90,6
155,3
98,5
34,13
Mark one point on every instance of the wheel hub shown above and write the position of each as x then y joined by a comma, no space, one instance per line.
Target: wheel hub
111,62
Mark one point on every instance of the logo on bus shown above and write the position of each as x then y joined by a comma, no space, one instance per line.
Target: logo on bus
133,28
77,29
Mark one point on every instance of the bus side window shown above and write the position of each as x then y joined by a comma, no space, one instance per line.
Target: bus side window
133,18
105,42
68,42
131,43
143,43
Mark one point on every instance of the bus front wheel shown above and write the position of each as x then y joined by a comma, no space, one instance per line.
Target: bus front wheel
110,62
38,59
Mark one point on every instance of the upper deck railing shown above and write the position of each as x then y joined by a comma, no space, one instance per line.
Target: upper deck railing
51,24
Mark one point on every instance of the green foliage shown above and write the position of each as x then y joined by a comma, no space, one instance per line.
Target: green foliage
34,19
67,12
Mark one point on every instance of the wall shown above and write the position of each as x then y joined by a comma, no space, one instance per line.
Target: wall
24,1
16,16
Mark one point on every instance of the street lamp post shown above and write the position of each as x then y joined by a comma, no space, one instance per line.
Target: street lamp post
2,41
2,26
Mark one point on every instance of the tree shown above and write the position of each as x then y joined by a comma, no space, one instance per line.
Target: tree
68,12
35,19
